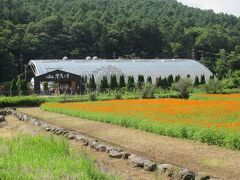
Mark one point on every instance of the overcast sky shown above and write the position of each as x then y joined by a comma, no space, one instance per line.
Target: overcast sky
226,6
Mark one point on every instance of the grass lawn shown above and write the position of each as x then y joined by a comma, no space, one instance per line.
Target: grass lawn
45,157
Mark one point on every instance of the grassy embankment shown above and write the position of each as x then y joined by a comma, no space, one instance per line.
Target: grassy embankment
45,157
214,119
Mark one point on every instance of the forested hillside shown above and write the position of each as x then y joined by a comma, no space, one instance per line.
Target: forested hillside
130,28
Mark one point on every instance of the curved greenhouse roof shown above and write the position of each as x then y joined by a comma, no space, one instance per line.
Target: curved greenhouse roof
134,67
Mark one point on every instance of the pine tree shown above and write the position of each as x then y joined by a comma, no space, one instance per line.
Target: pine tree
104,84
170,80
203,81
122,81
196,81
113,82
140,82
92,84
131,83
177,78
149,80
158,82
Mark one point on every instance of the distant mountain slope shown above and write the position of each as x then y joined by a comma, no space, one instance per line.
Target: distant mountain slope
131,28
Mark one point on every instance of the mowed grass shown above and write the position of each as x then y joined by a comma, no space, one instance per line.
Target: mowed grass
44,157
213,121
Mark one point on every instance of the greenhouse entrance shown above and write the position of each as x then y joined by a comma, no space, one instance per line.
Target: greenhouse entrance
58,82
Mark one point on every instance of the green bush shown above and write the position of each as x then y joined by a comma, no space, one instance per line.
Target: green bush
213,86
147,92
118,95
182,86
92,97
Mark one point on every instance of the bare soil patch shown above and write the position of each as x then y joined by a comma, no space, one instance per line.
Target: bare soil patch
213,160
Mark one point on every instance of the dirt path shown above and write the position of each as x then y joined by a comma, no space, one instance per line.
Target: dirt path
13,127
213,160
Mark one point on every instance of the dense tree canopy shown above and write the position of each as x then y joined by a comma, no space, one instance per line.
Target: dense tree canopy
130,28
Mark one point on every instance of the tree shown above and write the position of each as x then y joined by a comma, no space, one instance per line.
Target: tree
177,78
92,84
104,84
122,81
196,81
140,82
182,87
170,80
159,82
131,83
202,81
113,82
149,80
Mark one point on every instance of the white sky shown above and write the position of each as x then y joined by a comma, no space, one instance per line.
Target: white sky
225,6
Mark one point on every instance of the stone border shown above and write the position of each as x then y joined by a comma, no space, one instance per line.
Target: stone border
171,171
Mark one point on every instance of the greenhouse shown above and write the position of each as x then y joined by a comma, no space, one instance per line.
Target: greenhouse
71,71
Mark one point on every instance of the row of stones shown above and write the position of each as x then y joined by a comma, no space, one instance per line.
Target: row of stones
169,170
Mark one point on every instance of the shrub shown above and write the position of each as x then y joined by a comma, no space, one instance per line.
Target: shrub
118,95
148,92
213,86
92,97
182,87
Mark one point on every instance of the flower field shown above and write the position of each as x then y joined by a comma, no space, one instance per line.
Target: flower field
215,119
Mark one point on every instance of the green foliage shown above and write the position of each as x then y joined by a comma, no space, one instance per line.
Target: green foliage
148,30
104,84
118,95
148,91
131,83
149,80
113,82
92,85
196,81
13,88
177,78
202,80
21,101
213,86
92,97
38,157
140,82
122,83
170,80
182,87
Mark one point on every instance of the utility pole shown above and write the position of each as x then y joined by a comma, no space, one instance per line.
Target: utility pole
21,61
25,71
